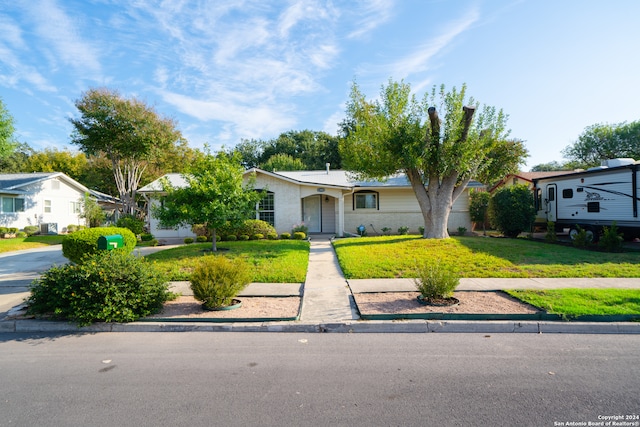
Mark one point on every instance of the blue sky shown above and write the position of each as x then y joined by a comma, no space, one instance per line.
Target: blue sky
232,70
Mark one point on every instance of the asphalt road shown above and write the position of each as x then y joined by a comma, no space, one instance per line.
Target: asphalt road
228,379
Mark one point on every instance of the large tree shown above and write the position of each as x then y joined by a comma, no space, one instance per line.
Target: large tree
54,160
605,141
312,148
7,139
440,143
215,195
127,131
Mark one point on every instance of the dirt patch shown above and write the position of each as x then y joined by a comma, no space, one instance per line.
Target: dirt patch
252,308
470,303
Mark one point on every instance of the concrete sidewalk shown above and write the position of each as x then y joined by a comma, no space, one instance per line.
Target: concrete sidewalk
328,305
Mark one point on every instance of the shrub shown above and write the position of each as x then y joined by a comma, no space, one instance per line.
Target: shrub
581,239
13,230
31,230
435,281
243,237
248,227
201,239
110,286
299,235
154,242
611,240
386,230
146,237
82,243
462,231
3,230
272,236
550,236
302,228
232,237
257,236
479,207
511,210
133,223
216,280
421,230
21,234
201,230
285,236
403,230
188,240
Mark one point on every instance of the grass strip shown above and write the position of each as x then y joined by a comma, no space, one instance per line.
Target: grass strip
21,243
581,302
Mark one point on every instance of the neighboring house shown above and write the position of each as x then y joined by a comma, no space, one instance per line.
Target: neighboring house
525,178
50,200
328,201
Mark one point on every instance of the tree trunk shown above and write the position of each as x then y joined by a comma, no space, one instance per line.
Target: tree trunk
214,246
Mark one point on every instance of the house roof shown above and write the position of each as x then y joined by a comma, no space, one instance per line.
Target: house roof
331,178
14,183
528,176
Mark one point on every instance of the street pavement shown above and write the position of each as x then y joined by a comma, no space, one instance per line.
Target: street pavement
327,300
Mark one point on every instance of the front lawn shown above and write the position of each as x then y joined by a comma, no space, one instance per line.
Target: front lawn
273,261
397,257
582,302
20,243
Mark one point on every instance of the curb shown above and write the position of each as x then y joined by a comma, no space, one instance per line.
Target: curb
373,326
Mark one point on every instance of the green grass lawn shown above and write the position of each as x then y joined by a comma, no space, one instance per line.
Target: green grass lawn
580,302
397,257
273,261
20,243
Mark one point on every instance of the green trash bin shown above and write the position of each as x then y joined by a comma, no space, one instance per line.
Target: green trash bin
111,242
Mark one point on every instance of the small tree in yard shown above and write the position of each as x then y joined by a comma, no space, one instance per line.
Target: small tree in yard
91,211
214,196
438,154
479,207
511,210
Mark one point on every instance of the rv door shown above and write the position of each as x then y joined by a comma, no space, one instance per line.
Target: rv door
551,203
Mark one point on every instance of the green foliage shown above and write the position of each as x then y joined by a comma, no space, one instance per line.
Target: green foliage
285,236
291,149
581,238
146,237
76,246
73,164
201,239
435,281
462,231
127,131
403,230
188,240
511,210
300,228
21,234
91,211
133,223
582,302
479,206
111,286
605,141
550,236
611,240
243,237
283,162
272,236
231,238
386,230
299,235
216,280
440,150
7,129
71,228
3,230
249,227
257,236
215,195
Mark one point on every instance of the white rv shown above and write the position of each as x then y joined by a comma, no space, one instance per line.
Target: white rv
592,199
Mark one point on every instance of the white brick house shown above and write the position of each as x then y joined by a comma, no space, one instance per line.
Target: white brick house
328,202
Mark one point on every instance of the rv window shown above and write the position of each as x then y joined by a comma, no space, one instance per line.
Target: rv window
552,194
593,207
579,190
567,193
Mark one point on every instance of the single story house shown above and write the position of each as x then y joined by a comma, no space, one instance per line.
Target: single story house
50,200
328,202
525,178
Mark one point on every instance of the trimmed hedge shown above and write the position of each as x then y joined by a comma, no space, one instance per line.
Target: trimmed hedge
249,227
82,243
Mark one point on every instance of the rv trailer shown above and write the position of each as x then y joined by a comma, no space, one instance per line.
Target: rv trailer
591,199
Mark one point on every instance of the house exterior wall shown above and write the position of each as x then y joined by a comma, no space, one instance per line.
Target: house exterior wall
48,202
165,233
399,208
286,199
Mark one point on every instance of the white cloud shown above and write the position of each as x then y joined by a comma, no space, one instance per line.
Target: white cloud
372,14
419,61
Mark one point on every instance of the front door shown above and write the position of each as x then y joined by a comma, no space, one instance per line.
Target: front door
552,206
312,214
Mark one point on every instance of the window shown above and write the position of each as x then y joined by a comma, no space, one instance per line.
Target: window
551,192
266,209
75,207
366,200
47,206
593,207
567,193
12,204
